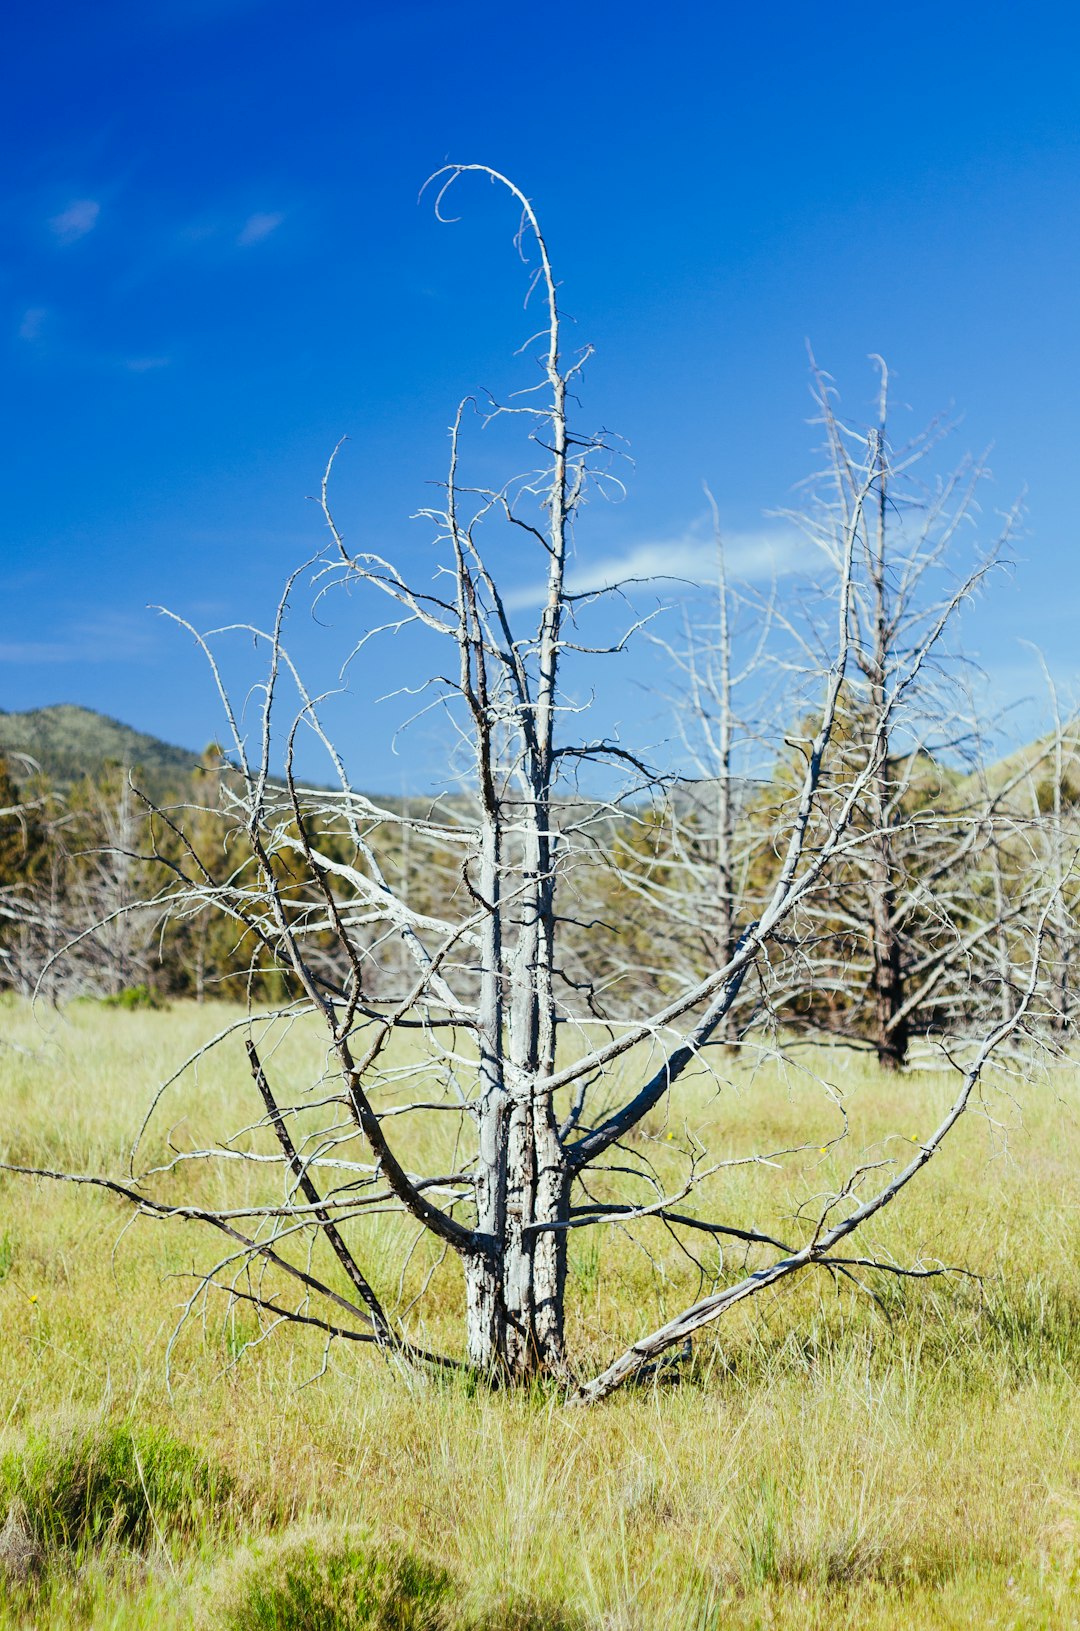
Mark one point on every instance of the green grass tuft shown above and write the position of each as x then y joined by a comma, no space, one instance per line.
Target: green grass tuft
329,1581
134,997
126,1485
340,1583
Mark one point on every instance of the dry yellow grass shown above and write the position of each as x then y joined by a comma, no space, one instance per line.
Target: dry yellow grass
822,1465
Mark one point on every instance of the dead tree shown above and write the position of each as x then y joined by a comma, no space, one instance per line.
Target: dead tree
1050,778
41,912
694,860
489,1022
890,951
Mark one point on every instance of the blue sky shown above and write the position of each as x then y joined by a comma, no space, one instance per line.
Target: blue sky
214,265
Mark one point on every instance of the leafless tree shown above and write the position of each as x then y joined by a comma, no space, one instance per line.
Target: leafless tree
891,948
76,921
694,860
908,929
34,908
487,1020
106,886
1049,775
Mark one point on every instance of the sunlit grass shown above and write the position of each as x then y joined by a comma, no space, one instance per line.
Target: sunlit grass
827,1460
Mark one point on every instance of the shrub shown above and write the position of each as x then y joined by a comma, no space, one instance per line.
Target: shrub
85,1487
134,996
334,1583
326,1580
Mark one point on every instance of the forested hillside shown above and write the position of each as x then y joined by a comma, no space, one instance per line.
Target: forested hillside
67,742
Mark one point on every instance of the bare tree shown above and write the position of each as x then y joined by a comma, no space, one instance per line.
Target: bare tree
1050,779
106,883
691,865
482,1012
907,931
20,848
891,949
77,924
38,916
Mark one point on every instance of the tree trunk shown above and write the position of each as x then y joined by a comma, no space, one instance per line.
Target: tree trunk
515,1290
890,1032
891,1035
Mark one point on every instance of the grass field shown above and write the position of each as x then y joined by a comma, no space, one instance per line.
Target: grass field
825,1462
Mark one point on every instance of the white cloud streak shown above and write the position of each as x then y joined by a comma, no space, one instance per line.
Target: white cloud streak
76,221
681,563
33,321
106,636
257,228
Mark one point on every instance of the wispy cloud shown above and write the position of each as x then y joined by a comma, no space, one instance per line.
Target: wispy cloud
76,221
33,321
145,365
685,560
258,227
106,636
36,651
224,234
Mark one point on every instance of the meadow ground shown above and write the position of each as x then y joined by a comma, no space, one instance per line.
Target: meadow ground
825,1461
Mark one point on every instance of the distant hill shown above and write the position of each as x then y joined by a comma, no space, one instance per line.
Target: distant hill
1030,769
68,742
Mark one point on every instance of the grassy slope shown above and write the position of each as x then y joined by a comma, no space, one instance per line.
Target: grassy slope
824,1466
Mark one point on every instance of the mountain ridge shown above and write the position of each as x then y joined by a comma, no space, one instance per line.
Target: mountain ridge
66,741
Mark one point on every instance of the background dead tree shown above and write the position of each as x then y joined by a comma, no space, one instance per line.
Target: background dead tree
39,917
1049,776
21,849
683,871
890,952
72,877
105,854
489,1024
